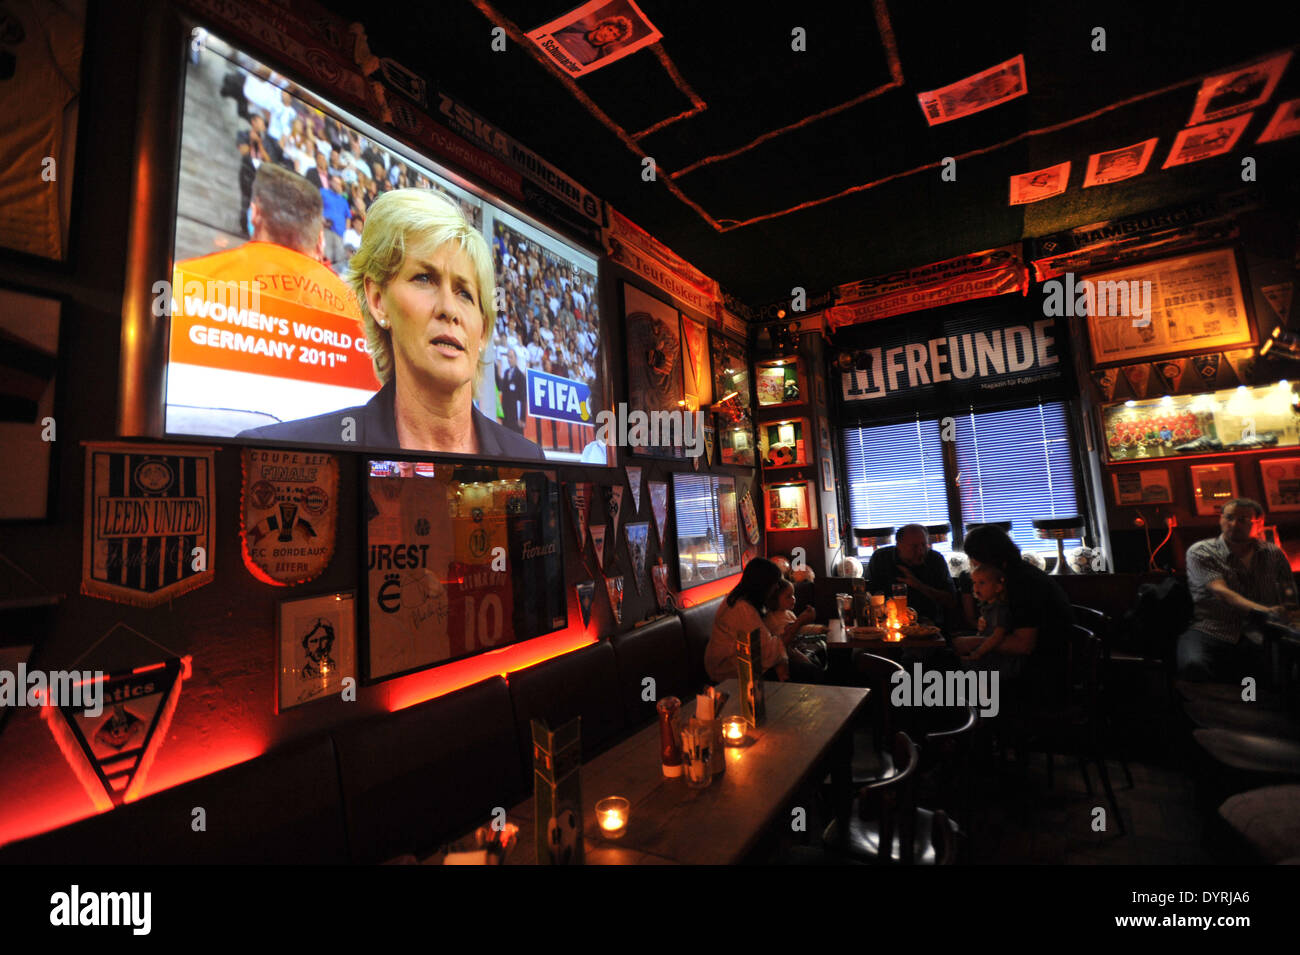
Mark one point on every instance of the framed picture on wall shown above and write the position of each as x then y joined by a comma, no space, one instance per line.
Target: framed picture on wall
1213,485
832,531
1205,309
1281,481
29,335
1145,486
655,365
828,475
316,647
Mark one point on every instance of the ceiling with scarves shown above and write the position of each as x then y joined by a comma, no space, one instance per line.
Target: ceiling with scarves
778,167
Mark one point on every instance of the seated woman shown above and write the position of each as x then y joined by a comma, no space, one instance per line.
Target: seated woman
1038,611
423,279
740,613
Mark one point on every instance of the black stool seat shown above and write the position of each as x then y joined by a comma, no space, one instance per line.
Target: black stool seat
863,838
1251,752
1226,693
1242,717
1267,820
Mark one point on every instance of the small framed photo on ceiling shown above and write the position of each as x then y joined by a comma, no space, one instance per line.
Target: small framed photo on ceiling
1213,486
316,647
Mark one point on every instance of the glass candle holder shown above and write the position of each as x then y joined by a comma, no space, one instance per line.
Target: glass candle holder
734,729
611,815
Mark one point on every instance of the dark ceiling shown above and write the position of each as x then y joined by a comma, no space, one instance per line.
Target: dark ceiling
842,183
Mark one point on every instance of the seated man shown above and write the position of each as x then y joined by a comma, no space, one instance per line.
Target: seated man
910,561
1232,576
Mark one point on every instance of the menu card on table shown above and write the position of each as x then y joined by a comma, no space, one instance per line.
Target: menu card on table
749,665
557,792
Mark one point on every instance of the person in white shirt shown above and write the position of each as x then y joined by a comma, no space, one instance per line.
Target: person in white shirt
282,116
262,93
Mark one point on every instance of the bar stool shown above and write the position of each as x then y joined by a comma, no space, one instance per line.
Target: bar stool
1005,525
1059,529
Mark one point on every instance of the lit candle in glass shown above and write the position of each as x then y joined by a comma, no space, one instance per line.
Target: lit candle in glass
733,730
611,815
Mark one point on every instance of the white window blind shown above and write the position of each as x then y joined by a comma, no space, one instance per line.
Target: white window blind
694,505
1016,466
895,476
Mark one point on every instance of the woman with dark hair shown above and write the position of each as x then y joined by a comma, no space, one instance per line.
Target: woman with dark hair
741,613
1038,610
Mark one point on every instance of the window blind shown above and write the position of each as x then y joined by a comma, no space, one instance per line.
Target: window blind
895,475
694,505
1015,466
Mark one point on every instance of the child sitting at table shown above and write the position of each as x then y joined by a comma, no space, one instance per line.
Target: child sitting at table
797,632
990,590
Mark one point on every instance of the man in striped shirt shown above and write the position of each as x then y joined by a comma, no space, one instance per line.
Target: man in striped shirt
1232,576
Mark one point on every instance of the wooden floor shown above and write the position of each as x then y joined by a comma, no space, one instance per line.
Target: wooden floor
1016,818
1021,821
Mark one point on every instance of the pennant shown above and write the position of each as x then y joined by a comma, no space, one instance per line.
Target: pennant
614,587
634,479
659,506
659,576
1279,298
580,494
598,542
1242,362
637,537
1105,380
586,597
750,516
1139,377
708,444
1207,367
289,514
1171,372
614,504
111,752
148,522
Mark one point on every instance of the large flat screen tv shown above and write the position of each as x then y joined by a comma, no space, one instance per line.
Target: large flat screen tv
276,187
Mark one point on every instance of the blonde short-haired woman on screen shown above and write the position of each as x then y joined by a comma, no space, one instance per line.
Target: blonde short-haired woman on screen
423,279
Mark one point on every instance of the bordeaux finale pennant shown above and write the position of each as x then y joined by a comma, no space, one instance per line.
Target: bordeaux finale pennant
290,514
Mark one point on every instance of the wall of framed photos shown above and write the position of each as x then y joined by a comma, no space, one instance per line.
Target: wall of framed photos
1185,416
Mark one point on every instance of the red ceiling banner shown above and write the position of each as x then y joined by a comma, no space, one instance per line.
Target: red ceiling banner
961,279
632,247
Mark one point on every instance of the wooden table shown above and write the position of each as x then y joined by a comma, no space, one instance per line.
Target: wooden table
836,637
807,727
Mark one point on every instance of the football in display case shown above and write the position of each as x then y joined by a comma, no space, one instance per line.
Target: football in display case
784,444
